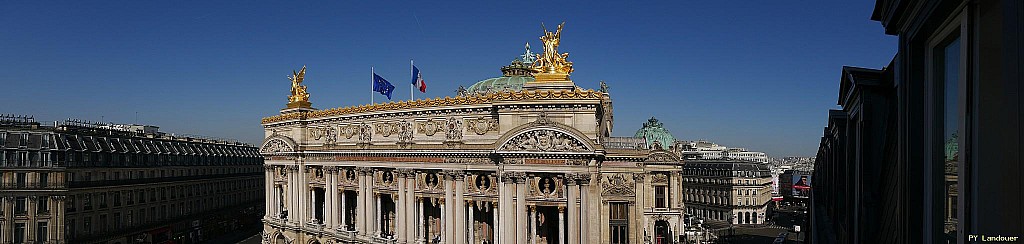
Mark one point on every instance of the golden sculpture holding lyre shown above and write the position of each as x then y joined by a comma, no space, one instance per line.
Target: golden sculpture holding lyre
551,65
299,97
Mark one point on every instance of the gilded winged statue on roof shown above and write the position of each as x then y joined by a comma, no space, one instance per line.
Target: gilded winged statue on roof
298,90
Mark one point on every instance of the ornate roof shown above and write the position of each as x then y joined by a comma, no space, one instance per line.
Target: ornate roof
471,99
512,78
654,131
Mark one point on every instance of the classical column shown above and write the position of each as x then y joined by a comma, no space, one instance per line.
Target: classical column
311,205
533,224
344,212
399,203
332,194
410,194
289,190
508,220
361,207
521,215
584,186
301,189
420,237
472,226
3,219
561,224
574,211
448,228
268,184
378,220
54,218
30,232
494,223
444,221
459,206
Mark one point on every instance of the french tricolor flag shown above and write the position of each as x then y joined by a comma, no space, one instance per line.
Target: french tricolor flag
417,80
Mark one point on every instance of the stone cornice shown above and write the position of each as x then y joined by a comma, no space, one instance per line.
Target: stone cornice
441,102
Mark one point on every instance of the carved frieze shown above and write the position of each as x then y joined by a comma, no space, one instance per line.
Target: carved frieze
482,125
348,131
405,131
365,133
659,178
386,128
276,145
468,161
617,185
661,157
453,129
544,141
326,133
430,127
576,161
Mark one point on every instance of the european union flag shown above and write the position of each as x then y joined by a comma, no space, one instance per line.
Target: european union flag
382,86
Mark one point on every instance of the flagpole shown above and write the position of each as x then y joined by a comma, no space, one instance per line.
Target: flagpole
412,85
371,84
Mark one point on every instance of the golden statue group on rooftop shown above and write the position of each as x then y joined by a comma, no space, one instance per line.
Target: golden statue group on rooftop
549,66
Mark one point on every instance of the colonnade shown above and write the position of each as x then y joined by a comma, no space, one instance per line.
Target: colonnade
515,217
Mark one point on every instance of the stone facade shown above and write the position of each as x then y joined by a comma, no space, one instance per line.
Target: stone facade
87,183
513,166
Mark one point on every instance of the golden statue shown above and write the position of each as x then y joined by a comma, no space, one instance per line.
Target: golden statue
299,97
551,65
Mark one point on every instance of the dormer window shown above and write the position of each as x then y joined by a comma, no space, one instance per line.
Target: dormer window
46,141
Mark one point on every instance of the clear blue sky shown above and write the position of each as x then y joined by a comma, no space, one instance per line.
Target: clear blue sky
754,74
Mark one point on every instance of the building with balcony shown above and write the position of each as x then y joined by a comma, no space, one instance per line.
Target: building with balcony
726,191
78,182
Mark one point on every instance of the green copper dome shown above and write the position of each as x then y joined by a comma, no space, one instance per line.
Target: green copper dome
497,84
513,76
653,131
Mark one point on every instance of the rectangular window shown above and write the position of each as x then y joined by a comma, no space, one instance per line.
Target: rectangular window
69,229
41,233
948,73
20,179
20,206
87,225
103,200
660,197
102,225
43,204
618,221
19,233
117,198
87,201
23,159
46,159
44,179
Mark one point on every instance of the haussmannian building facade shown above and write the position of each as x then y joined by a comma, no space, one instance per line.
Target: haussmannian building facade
927,149
522,158
727,191
78,182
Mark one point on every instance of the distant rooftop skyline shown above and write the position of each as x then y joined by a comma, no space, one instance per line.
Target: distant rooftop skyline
750,75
